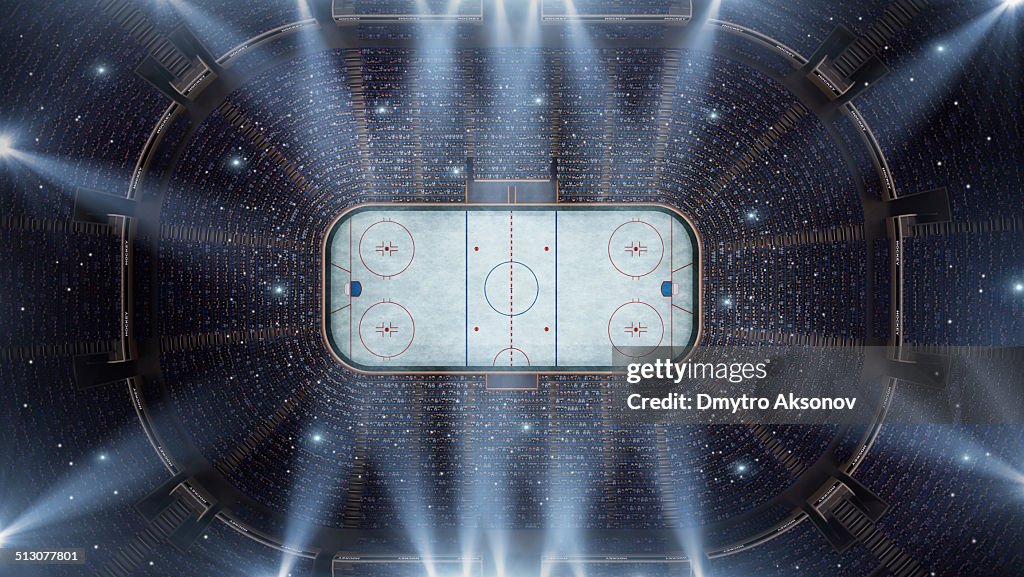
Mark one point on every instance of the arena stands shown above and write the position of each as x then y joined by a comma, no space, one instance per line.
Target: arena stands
982,302
511,120
211,293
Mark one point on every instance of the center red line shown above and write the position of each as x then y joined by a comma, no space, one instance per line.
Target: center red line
510,349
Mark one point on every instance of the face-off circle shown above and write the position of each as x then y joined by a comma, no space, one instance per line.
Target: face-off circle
387,329
511,288
636,248
635,329
386,248
511,357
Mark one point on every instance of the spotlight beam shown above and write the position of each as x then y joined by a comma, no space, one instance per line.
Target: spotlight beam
6,145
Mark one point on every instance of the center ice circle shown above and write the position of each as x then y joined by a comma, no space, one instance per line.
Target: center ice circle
511,288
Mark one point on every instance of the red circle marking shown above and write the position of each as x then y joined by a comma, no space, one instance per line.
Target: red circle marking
545,248
477,329
510,350
636,249
476,248
412,322
660,320
546,329
412,254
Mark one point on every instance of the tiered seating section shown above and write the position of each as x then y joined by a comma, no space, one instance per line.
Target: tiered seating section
799,289
983,299
66,292
937,121
438,451
511,91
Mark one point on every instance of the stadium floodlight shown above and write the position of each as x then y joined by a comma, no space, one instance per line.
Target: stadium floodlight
1011,3
6,145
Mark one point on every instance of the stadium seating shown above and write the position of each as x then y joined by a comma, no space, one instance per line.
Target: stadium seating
244,195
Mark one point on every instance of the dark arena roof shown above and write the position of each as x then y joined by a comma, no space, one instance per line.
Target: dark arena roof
170,170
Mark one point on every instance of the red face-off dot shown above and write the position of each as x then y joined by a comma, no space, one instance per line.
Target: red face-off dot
477,329
545,249
546,329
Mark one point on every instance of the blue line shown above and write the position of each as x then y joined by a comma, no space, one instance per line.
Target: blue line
467,288
556,287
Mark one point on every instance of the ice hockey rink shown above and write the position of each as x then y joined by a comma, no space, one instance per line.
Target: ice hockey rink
508,287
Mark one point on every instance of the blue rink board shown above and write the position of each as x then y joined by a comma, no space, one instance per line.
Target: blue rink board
496,288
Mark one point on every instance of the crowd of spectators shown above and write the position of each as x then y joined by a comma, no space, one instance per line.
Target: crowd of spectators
800,26
635,80
511,116
443,112
69,293
584,92
222,24
302,461
81,123
982,301
284,157
939,117
263,194
73,463
790,290
391,110
936,473
722,109
207,287
713,467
